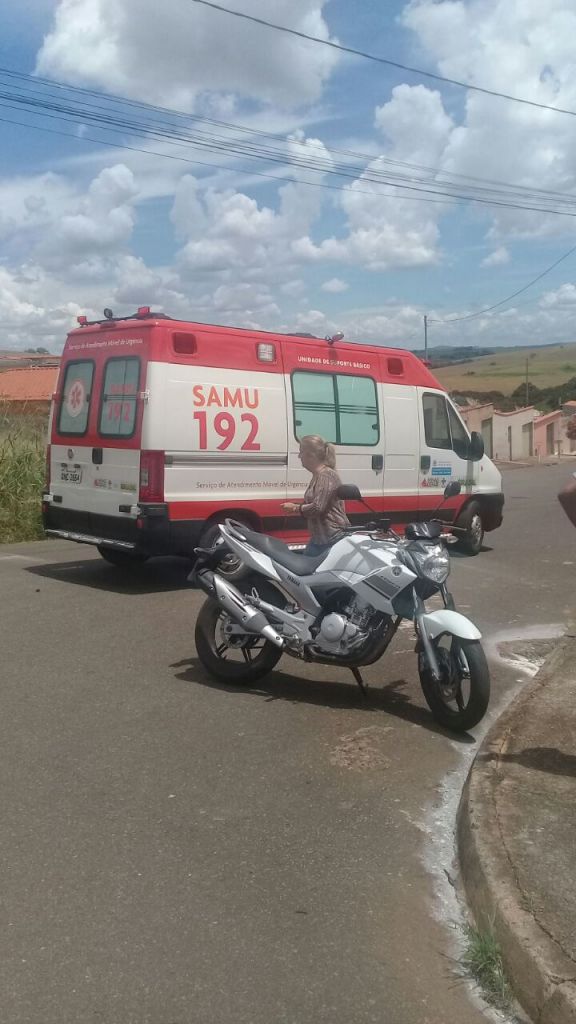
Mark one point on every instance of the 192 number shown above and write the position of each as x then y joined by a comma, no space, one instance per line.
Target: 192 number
225,427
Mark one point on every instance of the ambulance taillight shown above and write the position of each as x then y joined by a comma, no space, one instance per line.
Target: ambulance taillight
152,476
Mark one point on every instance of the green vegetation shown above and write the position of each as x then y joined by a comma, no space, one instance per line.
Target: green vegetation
482,960
505,370
22,468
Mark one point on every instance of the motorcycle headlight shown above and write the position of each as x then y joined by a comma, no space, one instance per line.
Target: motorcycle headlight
432,561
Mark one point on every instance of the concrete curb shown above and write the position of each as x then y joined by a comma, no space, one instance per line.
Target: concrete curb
542,975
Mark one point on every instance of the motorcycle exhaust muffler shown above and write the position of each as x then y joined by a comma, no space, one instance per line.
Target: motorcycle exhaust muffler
251,619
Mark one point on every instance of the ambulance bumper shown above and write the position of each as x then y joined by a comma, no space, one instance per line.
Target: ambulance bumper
149,532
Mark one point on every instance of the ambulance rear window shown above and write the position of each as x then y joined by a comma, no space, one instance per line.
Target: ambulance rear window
119,397
76,395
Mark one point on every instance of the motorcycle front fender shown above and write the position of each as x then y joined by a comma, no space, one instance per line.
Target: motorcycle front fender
447,621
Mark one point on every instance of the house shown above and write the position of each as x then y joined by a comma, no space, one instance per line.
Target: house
28,389
481,419
13,360
550,433
514,434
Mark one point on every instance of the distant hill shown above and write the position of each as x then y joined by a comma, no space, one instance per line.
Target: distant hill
443,355
504,370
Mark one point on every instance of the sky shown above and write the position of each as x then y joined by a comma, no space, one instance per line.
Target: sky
313,203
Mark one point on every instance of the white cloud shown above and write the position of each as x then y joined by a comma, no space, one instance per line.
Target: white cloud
173,52
497,258
564,296
491,45
385,229
335,285
54,220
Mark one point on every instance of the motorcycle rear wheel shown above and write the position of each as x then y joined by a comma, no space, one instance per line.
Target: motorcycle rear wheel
460,699
228,657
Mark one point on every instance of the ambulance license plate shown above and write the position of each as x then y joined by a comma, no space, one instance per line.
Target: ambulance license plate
71,474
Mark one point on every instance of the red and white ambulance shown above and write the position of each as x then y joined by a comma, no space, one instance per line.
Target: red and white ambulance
161,428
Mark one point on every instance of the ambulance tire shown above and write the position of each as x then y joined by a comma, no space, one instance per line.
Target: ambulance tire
122,559
471,522
231,568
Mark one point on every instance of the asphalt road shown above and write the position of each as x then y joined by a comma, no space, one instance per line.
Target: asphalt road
178,852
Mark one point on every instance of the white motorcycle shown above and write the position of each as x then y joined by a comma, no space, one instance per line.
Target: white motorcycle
342,607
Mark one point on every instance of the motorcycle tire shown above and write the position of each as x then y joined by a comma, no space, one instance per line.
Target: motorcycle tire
446,698
239,665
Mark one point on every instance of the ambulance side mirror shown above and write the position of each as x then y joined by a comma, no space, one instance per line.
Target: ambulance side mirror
472,450
476,448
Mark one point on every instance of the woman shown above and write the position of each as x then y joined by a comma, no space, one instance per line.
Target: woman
322,509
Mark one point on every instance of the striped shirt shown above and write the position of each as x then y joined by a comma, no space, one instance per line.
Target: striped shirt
324,512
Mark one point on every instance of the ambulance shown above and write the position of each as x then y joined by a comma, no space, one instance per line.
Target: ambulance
160,429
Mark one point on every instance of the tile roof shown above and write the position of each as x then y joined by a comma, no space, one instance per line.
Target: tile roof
28,384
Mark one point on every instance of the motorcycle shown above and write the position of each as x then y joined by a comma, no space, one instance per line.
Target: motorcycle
344,608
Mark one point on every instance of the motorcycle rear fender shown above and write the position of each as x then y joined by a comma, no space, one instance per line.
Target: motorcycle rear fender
446,621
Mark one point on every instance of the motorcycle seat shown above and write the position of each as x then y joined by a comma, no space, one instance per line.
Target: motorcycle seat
294,561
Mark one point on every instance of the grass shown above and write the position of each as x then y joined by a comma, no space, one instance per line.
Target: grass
482,960
22,469
505,370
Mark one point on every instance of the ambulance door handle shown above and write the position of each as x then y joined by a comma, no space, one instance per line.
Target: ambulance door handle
377,463
425,463
97,456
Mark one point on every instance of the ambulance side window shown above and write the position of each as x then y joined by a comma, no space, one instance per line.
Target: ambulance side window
76,395
119,397
436,424
339,407
314,405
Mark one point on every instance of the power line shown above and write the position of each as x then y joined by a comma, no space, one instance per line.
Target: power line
217,167
382,60
31,82
481,312
107,119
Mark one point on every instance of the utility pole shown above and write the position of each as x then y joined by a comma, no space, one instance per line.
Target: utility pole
527,386
425,337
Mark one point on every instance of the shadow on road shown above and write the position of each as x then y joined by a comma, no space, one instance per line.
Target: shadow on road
391,698
541,759
160,574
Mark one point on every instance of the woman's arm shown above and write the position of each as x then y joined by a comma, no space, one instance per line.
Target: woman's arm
325,487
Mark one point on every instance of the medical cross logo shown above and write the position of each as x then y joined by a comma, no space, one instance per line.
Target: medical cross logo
76,399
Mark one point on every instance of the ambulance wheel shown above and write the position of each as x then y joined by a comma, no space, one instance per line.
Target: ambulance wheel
229,655
231,567
122,559
470,522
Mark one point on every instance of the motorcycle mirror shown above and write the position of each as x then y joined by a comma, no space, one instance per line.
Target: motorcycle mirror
349,492
452,490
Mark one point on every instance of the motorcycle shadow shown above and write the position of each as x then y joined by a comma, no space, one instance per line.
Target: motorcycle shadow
391,698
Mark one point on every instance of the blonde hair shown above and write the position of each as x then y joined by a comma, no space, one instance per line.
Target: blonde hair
320,449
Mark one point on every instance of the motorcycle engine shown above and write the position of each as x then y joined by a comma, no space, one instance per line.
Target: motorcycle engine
340,632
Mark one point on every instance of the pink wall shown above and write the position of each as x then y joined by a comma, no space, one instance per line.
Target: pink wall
555,421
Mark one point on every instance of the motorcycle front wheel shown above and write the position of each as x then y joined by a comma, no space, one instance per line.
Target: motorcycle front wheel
459,700
231,657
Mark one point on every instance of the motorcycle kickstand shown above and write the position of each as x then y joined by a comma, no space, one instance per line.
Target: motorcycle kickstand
363,688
